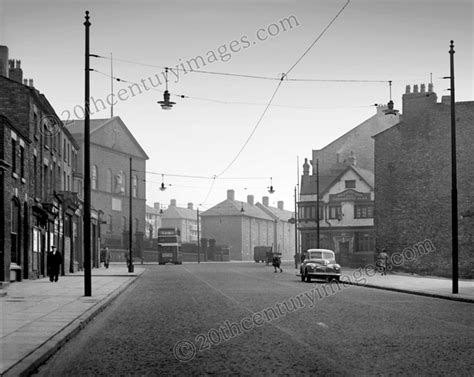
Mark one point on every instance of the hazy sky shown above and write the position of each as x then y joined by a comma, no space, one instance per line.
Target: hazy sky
402,40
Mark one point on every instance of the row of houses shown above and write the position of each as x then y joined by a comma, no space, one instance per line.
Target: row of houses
387,184
41,181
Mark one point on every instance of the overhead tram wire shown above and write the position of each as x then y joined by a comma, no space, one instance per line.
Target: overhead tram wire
242,75
225,102
279,85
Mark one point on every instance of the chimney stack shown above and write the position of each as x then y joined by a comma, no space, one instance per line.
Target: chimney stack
265,201
14,72
280,204
4,61
305,167
250,199
30,83
230,194
190,206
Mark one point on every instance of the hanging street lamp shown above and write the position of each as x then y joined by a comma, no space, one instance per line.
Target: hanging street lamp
166,104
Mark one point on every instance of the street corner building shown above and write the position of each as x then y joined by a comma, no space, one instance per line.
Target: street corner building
413,183
342,173
242,226
40,192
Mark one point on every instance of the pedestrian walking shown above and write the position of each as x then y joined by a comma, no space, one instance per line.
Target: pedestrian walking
382,261
106,256
276,262
54,260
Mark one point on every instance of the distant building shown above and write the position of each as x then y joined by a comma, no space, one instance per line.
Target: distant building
284,230
243,225
185,219
346,190
413,184
153,220
112,146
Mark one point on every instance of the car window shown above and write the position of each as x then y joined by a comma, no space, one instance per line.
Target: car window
328,255
316,255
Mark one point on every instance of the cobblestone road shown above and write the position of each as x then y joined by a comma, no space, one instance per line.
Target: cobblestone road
243,319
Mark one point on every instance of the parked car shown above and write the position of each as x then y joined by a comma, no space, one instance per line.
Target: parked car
320,264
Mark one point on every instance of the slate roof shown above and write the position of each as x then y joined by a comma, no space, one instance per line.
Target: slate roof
233,208
281,214
173,212
152,210
308,185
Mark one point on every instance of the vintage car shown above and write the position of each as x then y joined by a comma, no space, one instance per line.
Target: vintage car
320,264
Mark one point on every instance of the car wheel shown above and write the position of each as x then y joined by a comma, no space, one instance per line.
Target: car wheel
308,278
303,277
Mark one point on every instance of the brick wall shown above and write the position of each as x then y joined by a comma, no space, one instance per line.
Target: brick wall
413,183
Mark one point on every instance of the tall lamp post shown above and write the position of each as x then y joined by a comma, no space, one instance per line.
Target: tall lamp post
198,240
317,203
454,188
87,175
130,228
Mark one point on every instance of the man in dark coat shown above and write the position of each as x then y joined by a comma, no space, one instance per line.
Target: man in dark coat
276,262
54,261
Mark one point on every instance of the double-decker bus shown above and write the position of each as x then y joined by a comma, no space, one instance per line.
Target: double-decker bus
169,246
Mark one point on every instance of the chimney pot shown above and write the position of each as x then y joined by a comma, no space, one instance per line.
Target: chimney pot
415,88
231,194
422,88
430,87
25,82
250,199
407,89
30,83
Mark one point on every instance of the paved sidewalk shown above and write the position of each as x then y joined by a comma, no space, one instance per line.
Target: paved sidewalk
430,286
409,283
39,316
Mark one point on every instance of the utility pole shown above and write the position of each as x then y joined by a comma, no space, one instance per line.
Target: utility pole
296,232
317,203
87,169
111,87
130,228
454,188
199,240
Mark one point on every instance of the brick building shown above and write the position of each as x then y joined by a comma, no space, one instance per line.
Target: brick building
40,192
413,182
243,225
112,145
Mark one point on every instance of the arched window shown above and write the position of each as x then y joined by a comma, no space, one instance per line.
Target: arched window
135,186
109,182
94,178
